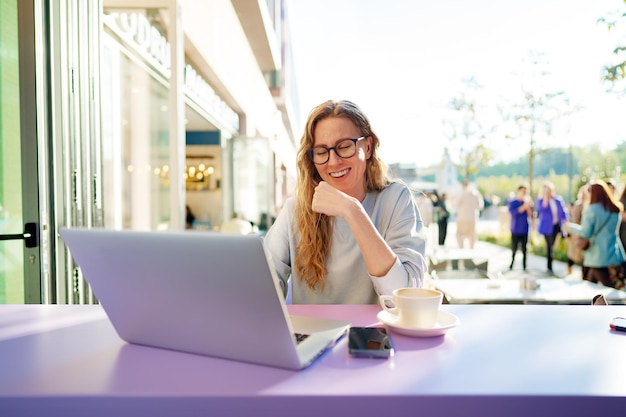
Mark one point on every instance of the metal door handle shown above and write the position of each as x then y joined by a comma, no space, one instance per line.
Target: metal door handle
30,235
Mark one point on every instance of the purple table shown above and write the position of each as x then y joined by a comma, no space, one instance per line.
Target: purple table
513,360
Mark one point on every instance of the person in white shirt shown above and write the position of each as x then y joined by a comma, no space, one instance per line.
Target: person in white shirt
468,206
349,234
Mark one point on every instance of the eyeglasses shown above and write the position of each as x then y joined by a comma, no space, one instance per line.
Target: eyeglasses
345,148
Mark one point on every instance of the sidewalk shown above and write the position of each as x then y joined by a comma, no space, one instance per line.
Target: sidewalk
500,257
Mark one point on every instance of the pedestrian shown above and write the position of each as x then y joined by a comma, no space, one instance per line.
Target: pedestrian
190,218
552,216
442,214
622,225
520,208
599,224
574,252
469,203
349,234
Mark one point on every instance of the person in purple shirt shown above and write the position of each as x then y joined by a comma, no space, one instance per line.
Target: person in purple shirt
520,207
552,217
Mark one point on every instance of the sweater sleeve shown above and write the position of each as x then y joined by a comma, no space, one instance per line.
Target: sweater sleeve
400,224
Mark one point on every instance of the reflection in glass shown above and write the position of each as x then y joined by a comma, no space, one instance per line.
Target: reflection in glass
11,221
136,143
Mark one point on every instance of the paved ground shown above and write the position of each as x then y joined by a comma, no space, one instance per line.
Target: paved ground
500,257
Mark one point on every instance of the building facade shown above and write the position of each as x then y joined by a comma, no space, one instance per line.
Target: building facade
126,114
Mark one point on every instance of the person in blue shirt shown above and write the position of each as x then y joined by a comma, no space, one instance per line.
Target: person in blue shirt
520,208
552,216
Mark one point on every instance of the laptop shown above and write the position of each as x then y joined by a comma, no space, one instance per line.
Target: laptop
207,293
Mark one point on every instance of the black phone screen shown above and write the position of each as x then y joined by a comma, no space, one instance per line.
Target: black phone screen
369,342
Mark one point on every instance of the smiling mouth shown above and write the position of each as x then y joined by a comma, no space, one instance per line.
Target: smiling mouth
339,174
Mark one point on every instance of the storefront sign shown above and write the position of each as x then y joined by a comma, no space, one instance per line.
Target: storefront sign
147,40
209,99
139,33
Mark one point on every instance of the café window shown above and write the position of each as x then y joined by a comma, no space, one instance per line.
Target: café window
135,137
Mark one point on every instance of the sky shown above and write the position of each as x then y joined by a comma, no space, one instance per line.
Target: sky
402,61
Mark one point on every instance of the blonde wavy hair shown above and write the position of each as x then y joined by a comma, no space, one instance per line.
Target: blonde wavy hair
316,229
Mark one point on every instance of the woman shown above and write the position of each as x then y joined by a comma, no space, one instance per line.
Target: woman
600,222
574,253
622,226
552,217
348,234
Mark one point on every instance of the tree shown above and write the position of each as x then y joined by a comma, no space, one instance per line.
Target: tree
598,164
535,114
466,131
620,150
615,73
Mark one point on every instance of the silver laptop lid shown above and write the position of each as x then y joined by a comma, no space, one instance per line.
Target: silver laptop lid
200,292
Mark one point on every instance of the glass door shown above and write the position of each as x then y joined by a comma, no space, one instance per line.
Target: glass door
50,160
75,144
20,265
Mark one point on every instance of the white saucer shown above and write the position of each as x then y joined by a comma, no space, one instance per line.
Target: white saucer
445,321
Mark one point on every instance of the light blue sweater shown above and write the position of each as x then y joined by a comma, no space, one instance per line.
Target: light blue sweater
606,248
396,216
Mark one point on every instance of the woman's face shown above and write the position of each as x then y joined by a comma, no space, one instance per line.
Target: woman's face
347,175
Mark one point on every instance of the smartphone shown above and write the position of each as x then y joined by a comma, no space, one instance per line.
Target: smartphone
618,324
369,342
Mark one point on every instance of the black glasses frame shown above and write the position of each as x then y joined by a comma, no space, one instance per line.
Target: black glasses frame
334,148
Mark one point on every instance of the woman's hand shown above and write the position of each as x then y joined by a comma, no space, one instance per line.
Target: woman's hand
378,256
330,201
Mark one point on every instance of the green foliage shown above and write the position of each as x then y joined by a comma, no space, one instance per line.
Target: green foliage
567,171
558,160
614,73
599,165
620,151
499,189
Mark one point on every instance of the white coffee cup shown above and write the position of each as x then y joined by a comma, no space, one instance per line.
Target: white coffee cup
415,307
